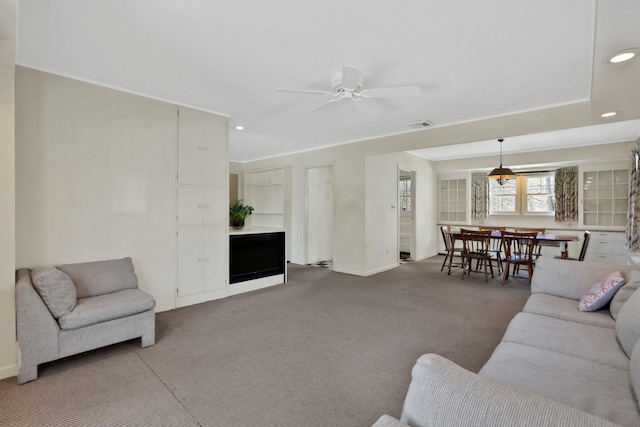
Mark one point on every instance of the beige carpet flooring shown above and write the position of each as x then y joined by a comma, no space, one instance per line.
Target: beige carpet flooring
325,349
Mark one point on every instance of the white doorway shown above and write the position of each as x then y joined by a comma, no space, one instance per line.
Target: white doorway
406,214
319,216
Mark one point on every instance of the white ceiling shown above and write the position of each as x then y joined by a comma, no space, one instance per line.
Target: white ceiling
473,60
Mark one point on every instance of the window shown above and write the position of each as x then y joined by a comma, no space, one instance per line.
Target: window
531,193
404,192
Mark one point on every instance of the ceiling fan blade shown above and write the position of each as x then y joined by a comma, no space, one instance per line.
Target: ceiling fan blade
384,92
351,77
313,92
324,104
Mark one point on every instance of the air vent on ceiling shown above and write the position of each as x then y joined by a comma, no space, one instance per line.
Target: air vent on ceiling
420,124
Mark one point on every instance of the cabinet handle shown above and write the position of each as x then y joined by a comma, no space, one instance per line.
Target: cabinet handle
206,206
199,259
206,260
200,205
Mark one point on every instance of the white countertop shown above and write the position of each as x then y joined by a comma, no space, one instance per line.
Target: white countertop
254,230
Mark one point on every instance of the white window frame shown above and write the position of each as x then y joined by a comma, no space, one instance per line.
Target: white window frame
521,205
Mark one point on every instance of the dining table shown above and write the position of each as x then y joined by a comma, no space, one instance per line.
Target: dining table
547,239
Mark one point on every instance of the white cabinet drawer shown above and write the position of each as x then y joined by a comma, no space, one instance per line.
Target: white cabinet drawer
607,259
608,236
608,247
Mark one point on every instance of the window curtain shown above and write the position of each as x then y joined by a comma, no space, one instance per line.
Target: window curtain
566,189
633,211
479,195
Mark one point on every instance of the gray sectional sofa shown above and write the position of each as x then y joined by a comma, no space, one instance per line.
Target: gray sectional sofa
555,366
72,308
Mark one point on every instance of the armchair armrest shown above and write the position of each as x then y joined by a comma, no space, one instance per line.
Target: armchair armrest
37,330
443,394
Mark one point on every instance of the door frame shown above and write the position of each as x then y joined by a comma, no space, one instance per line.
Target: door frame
402,170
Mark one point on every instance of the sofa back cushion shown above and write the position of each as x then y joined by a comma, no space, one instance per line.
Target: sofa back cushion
628,323
101,277
632,281
56,290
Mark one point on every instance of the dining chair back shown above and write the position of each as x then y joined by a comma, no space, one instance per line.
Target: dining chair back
475,246
585,245
450,249
538,249
519,249
495,244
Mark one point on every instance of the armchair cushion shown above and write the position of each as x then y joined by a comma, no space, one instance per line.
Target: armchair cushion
101,277
56,290
102,308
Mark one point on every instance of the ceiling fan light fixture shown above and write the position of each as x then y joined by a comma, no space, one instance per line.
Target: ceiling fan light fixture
501,174
609,114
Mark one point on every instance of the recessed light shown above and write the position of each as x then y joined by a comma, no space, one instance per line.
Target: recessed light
239,127
624,55
609,114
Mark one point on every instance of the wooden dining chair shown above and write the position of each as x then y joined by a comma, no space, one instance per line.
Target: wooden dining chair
450,249
495,248
475,246
519,249
537,253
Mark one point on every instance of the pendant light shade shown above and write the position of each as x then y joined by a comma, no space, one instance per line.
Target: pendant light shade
500,173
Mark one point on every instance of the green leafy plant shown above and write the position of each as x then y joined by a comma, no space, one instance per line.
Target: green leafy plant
238,212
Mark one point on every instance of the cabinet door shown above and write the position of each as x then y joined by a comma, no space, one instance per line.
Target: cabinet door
214,206
216,244
190,261
215,150
190,146
190,206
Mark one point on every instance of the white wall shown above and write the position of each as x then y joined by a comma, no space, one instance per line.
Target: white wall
382,209
8,360
96,179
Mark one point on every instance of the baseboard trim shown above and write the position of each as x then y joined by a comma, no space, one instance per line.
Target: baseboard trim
381,269
9,371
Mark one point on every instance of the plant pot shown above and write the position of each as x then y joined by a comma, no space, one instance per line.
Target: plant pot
237,224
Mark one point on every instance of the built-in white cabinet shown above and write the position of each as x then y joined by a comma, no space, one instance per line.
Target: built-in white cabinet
269,192
453,200
199,268
203,207
202,158
605,195
607,247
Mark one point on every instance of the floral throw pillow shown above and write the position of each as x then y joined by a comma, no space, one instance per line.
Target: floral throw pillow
601,292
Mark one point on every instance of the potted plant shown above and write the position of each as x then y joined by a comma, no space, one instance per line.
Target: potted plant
238,212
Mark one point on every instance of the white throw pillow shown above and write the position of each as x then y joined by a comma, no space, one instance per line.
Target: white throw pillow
601,292
56,290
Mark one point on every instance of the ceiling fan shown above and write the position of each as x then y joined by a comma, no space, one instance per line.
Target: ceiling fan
346,85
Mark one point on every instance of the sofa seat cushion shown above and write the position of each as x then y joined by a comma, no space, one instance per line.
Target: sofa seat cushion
106,307
101,277
566,308
588,342
596,388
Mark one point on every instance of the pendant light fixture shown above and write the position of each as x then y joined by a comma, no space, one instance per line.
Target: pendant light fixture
501,174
